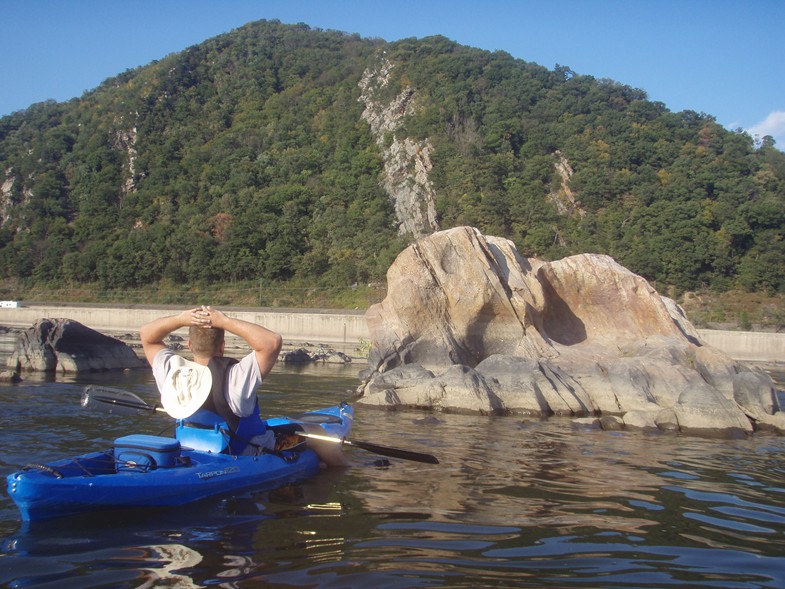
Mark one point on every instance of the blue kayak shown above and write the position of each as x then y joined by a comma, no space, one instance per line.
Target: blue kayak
154,471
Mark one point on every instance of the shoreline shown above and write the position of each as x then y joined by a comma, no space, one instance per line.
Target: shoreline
338,330
329,329
341,331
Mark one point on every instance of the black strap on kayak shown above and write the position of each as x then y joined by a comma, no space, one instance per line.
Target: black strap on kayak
45,468
53,471
151,464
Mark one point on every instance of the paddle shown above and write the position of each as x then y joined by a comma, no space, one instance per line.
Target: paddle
116,401
376,449
123,402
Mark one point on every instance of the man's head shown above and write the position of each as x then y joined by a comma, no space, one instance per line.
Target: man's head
206,342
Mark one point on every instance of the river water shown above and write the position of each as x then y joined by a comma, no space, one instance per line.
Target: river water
513,503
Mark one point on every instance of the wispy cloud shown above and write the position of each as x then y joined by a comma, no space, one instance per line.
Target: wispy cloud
773,125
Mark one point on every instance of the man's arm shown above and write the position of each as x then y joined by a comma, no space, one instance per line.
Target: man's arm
266,344
152,334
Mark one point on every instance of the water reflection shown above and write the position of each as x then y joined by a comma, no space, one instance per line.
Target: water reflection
512,503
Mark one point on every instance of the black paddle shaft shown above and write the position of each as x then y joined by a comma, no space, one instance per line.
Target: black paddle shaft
394,452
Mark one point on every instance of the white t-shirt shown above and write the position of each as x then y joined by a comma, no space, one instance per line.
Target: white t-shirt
243,378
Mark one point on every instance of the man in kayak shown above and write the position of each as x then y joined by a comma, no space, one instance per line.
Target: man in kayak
213,386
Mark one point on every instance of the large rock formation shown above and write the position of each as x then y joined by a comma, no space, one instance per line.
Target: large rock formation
470,325
63,345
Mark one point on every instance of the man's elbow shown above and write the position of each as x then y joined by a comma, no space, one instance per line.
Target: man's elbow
144,336
277,343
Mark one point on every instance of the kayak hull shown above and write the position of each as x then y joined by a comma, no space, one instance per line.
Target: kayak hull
97,481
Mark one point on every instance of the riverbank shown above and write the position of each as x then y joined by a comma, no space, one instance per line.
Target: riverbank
313,330
344,331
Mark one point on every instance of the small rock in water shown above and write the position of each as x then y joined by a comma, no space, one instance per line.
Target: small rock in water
430,420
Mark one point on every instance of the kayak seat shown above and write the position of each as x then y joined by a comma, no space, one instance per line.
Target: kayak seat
204,431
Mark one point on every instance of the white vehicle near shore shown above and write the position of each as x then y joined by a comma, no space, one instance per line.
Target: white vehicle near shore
10,304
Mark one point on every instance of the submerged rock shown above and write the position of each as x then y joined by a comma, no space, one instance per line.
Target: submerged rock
8,376
470,325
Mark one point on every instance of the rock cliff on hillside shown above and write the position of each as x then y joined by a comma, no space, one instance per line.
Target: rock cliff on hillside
6,196
470,325
406,162
63,345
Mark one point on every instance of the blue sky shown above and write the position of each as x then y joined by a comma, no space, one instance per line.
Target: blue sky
725,58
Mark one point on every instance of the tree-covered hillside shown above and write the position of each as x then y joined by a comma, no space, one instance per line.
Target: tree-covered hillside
247,158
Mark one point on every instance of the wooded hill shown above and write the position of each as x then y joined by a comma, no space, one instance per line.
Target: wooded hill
247,157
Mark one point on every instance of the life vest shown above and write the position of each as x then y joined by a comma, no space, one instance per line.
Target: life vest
241,429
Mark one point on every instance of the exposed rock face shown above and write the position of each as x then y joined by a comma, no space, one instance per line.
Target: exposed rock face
6,196
125,141
564,198
406,162
64,345
470,325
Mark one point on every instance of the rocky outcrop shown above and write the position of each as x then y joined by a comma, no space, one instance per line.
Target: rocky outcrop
324,356
564,198
406,162
125,142
469,325
6,196
63,345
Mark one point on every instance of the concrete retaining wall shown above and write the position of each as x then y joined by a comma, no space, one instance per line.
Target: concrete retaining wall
747,346
344,328
313,327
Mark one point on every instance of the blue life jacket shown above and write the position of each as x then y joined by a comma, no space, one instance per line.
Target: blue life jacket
216,408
